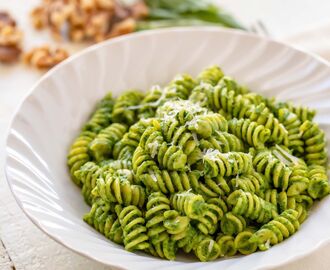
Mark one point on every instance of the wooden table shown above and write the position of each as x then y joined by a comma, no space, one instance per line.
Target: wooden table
23,245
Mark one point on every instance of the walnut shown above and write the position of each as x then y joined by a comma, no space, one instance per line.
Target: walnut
6,19
9,35
124,27
39,18
92,20
10,39
105,4
98,25
45,57
139,10
9,54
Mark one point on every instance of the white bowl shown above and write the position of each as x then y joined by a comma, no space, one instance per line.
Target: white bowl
55,109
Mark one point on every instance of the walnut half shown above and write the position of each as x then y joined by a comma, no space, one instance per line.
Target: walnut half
10,39
45,57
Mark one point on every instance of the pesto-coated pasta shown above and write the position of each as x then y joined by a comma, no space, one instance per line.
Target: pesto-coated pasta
104,219
202,165
101,147
134,230
102,116
276,230
79,153
226,164
250,132
123,109
318,185
210,75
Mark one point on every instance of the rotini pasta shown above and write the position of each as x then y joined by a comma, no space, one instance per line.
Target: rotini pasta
276,230
318,185
250,132
102,116
210,75
222,141
104,219
242,243
117,186
124,110
232,163
313,137
201,165
101,146
79,153
251,206
134,230
189,204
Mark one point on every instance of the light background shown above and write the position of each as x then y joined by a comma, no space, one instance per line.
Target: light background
25,246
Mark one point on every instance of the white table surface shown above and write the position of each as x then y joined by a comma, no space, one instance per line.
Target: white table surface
24,246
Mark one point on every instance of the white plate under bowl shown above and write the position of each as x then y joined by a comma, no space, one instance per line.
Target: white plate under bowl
53,112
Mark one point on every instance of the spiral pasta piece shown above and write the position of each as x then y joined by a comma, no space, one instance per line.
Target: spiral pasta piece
255,98
181,111
250,132
189,204
299,180
171,157
101,147
276,230
175,224
232,224
302,112
156,206
105,221
134,229
117,164
171,181
315,144
206,125
274,170
165,249
226,245
253,182
242,243
263,116
292,124
208,223
181,137
207,249
213,187
251,206
88,175
180,87
124,149
142,162
319,183
124,110
226,164
116,186
210,75
102,116
222,141
280,199
79,154
229,83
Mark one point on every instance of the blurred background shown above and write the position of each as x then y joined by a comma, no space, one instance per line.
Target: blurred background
303,23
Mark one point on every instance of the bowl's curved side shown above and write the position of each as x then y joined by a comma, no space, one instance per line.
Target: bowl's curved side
54,109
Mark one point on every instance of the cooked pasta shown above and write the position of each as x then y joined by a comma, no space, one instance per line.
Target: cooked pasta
201,165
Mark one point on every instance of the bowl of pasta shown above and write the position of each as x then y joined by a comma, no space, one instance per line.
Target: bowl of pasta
182,148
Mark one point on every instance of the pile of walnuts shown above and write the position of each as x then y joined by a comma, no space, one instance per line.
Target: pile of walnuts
10,39
92,20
